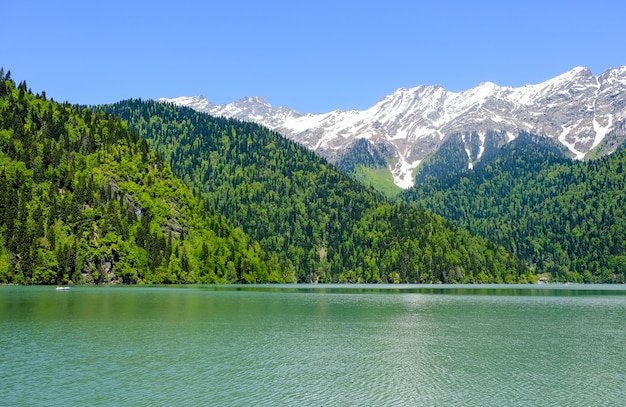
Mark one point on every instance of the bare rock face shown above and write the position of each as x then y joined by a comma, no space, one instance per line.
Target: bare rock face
576,108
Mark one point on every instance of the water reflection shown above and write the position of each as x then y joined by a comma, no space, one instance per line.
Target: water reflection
439,289
312,345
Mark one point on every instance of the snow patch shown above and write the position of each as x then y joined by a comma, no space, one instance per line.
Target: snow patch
482,137
323,142
563,107
571,146
601,131
403,172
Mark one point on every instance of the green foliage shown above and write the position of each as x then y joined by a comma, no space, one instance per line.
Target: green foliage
367,164
321,223
458,153
378,178
363,153
561,217
84,200
612,142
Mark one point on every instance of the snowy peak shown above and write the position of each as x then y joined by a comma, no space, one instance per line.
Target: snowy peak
613,78
577,108
577,74
255,109
251,104
198,103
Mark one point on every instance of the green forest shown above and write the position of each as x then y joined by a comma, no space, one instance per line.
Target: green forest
458,153
565,219
146,192
367,164
84,200
320,222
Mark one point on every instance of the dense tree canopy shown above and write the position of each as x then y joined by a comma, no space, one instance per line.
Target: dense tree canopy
83,199
323,224
562,217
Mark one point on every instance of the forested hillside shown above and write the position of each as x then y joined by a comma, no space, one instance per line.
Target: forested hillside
458,153
367,163
562,217
84,200
327,227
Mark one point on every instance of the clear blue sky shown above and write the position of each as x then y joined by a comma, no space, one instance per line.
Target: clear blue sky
313,56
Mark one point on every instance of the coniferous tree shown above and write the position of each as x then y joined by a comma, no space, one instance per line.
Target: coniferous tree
321,223
73,183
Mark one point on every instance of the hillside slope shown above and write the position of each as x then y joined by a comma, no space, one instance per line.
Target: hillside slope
83,200
561,217
325,225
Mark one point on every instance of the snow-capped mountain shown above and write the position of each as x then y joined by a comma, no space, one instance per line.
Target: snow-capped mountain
576,108
252,109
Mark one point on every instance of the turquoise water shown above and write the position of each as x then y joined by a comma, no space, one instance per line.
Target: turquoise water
314,345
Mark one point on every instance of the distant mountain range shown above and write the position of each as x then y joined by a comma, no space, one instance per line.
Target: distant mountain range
578,109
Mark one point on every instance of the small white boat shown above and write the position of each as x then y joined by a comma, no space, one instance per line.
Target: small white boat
62,288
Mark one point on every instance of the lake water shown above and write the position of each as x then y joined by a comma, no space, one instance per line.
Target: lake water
314,346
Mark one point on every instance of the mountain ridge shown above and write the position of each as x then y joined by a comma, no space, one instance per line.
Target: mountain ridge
324,225
577,108
564,218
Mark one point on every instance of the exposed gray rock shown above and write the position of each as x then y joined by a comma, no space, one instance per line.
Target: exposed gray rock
577,108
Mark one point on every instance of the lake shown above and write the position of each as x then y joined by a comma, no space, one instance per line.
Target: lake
307,345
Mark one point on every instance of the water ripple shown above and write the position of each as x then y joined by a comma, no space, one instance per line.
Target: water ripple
255,348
